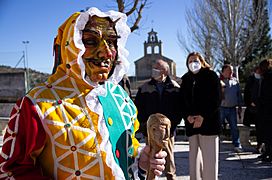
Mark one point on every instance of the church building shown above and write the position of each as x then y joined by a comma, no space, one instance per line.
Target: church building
152,52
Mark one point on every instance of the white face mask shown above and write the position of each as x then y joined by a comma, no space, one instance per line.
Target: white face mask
156,73
257,76
195,66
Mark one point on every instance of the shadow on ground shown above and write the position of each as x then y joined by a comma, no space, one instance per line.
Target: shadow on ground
232,166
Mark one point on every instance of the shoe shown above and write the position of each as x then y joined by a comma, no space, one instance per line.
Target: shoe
238,149
258,151
259,148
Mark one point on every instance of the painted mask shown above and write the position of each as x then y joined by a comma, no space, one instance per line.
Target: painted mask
100,40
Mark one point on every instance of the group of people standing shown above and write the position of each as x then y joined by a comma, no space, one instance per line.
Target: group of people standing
80,124
206,102
197,101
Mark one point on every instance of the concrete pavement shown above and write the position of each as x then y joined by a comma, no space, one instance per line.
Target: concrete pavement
232,166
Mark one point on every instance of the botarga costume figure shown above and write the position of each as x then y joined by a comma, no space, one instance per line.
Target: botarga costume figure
79,124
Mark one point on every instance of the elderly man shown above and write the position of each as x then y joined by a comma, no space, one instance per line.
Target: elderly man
80,124
160,95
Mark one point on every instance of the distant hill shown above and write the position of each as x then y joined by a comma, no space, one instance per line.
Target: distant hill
35,77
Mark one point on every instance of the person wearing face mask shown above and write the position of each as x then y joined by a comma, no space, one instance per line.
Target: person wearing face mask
251,96
160,95
200,89
80,124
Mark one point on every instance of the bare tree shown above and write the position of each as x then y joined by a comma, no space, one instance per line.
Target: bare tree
133,9
216,28
199,32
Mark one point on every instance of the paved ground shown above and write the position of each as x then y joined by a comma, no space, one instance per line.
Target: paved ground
232,166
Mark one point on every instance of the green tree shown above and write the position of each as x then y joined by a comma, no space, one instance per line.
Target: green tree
262,47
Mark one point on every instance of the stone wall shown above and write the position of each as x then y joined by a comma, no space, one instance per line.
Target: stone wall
5,110
12,86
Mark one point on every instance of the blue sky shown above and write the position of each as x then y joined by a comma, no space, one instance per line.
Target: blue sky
37,21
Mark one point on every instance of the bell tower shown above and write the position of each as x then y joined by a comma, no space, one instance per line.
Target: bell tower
152,45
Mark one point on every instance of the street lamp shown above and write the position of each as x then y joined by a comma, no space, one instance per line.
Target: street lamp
25,43
26,60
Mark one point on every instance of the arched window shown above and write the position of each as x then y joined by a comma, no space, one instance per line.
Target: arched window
156,50
149,50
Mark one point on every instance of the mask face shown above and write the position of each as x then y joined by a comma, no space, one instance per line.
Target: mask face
257,76
100,40
195,66
156,73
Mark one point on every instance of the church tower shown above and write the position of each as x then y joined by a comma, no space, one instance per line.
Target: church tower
152,45
152,52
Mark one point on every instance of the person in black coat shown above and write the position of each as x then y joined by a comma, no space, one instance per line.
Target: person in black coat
201,92
265,108
125,83
251,95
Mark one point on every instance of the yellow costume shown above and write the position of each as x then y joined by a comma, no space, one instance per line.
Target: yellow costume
69,128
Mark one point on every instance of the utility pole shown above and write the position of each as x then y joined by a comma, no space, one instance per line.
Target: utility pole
26,67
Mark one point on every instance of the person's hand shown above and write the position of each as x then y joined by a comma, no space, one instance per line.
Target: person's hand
191,119
156,163
198,120
223,85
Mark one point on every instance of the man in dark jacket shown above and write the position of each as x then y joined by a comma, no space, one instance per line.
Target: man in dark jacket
251,95
160,95
125,83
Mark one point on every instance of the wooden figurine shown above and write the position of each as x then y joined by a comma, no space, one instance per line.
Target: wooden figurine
158,131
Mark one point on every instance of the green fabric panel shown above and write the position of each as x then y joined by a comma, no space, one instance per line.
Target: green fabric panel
120,137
